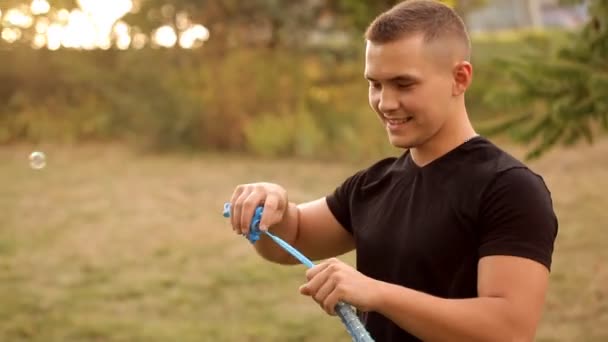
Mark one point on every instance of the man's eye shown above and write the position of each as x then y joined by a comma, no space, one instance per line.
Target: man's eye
375,85
404,85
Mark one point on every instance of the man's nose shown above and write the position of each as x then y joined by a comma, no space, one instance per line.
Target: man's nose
388,101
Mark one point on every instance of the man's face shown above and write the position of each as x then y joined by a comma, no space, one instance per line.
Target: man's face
410,88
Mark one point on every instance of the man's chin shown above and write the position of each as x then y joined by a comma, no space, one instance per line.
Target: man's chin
402,143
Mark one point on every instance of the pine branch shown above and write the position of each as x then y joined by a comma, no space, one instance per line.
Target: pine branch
569,88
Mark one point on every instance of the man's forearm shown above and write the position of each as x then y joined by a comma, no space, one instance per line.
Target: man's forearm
432,318
287,230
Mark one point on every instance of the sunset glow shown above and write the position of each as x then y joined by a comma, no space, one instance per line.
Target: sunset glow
94,25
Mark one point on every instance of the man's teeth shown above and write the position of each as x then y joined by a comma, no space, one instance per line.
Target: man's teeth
398,121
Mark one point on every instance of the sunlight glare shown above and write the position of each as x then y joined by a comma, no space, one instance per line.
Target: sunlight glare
106,11
39,41
40,7
42,25
11,35
96,24
105,43
63,15
123,38
165,36
182,21
139,40
79,32
17,17
53,36
103,15
193,37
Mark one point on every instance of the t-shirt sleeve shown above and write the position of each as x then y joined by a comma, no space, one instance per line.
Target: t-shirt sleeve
340,200
517,217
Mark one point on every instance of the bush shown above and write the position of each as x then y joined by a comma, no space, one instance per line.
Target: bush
264,101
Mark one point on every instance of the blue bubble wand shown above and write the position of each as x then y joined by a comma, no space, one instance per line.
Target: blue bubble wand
353,325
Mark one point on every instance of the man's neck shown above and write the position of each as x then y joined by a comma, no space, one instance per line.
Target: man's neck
448,138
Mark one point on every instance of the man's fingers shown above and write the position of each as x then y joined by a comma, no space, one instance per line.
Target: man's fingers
250,203
326,288
273,212
235,195
237,206
247,197
332,300
312,272
323,285
316,281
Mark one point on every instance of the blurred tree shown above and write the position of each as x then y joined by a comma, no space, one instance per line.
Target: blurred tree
565,98
28,31
270,23
357,14
266,23
69,4
465,7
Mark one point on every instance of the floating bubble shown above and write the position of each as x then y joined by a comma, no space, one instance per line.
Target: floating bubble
37,160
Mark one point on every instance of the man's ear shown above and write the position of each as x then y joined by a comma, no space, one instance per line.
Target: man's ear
462,73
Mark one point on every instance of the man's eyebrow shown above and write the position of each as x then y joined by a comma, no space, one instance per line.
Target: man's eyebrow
398,78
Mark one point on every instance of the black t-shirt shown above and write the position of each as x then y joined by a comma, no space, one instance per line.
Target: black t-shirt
426,228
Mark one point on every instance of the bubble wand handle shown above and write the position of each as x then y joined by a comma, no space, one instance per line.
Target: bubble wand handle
347,315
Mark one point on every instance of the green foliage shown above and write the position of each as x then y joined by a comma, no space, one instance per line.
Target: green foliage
356,15
464,7
560,96
269,135
260,101
309,137
292,134
273,99
262,23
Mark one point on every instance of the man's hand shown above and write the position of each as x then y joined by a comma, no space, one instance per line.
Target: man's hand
245,199
333,281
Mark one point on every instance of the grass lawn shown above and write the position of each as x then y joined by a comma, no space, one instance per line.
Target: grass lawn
106,244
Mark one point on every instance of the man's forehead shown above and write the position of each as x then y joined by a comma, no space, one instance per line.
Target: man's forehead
405,45
395,59
393,76
411,55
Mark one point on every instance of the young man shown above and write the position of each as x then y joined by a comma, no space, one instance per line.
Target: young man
455,237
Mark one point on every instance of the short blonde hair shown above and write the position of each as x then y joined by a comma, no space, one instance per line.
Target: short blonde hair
430,18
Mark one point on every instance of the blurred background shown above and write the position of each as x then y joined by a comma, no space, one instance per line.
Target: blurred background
150,112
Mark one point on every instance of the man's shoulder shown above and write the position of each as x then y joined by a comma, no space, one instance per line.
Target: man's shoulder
492,162
485,156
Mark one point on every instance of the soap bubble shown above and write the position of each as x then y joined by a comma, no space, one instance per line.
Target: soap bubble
37,160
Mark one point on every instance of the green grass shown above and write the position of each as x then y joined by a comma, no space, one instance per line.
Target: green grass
105,244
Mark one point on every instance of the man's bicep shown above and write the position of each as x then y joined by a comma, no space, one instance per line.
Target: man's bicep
320,235
517,218
521,282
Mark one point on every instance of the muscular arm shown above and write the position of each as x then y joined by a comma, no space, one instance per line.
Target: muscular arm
518,228
312,229
511,296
